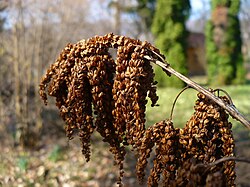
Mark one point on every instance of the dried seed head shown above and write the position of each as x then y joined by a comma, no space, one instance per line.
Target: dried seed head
93,91
207,136
85,77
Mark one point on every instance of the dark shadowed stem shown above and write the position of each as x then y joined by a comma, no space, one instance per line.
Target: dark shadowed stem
223,159
230,108
231,158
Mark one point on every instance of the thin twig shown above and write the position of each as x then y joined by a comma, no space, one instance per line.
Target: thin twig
228,96
223,159
231,109
172,110
230,158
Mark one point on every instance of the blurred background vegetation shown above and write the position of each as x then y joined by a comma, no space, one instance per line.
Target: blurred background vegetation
207,40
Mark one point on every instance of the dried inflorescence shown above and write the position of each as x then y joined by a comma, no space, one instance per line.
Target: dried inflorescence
195,173
94,91
165,137
207,137
183,156
190,174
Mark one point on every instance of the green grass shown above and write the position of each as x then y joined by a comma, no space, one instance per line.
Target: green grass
184,106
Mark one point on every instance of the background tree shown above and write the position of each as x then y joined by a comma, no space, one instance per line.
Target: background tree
244,17
198,16
4,81
142,13
36,33
133,17
223,43
170,37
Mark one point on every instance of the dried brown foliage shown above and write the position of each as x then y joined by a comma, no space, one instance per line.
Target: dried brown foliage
93,91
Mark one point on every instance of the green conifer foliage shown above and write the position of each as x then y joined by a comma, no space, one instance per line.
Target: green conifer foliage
223,44
170,37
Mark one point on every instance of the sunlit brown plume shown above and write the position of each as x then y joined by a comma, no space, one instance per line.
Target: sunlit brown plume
94,91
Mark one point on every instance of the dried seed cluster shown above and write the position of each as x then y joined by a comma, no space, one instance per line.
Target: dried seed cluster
165,138
207,137
182,156
94,91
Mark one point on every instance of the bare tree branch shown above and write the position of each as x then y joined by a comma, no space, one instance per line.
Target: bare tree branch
230,108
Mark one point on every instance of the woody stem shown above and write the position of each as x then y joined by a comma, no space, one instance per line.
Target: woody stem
230,108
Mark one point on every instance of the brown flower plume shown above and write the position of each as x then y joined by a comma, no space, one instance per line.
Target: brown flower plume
85,77
207,137
164,137
94,91
183,156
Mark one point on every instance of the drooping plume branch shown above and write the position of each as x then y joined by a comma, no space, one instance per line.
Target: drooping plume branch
230,108
95,92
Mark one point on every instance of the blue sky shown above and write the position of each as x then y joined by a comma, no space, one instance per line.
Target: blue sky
198,7
197,4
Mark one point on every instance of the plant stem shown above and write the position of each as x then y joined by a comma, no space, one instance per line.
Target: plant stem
223,159
230,108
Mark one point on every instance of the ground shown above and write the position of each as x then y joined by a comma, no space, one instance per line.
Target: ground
59,162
